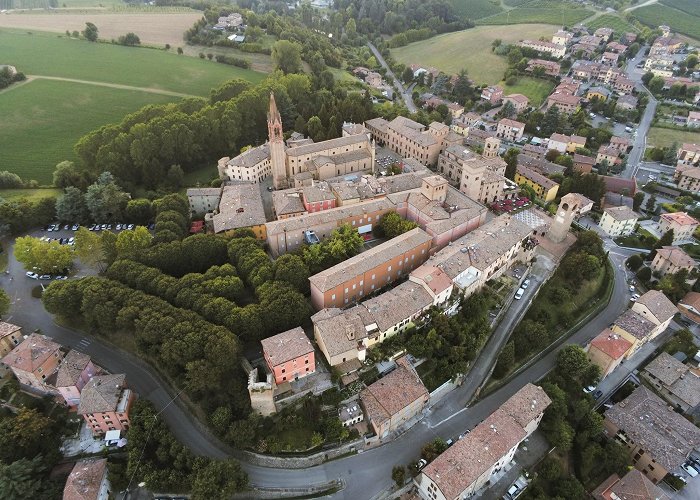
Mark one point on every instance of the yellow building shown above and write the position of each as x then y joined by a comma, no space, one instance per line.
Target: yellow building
545,188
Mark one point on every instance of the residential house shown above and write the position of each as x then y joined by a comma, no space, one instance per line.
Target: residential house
493,94
394,399
629,38
466,466
34,362
683,226
435,281
562,37
575,142
689,306
550,68
10,337
600,93
253,165
618,221
693,119
477,137
620,185
74,372
659,65
622,144
88,480
675,381
518,101
610,58
464,122
545,188
633,485
689,154
608,154
635,328
203,200
538,152
604,33
553,49
687,177
369,271
289,355
240,207
565,102
558,142
624,85
510,130
616,47
350,414
607,350
288,203
583,164
658,439
671,259
105,403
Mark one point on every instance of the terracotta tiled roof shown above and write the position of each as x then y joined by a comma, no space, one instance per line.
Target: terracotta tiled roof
84,481
8,328
286,346
32,353
633,486
658,304
680,218
101,394
70,368
615,346
676,256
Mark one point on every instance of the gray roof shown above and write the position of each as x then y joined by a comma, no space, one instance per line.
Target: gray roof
338,142
635,324
661,432
240,206
340,330
536,177
540,165
658,304
287,202
101,394
70,368
252,157
622,213
203,192
365,261
393,306
286,346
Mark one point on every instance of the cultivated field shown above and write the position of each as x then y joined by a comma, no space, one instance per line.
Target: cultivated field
476,9
153,29
469,49
679,21
611,21
663,137
43,119
540,11
533,88
50,55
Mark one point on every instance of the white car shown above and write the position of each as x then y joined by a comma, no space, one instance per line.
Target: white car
421,463
32,275
526,284
689,469
519,293
589,389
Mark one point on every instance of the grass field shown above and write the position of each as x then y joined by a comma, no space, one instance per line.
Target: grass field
42,120
46,54
690,6
663,137
32,194
533,88
678,20
152,28
611,21
469,49
558,13
476,9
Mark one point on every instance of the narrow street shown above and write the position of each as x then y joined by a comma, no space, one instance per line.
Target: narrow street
405,93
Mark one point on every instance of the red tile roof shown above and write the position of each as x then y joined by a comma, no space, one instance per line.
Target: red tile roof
615,346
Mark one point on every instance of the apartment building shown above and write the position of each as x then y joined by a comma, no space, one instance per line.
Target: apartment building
565,102
671,259
562,37
618,221
657,438
689,154
240,207
608,154
659,65
492,95
510,130
74,372
394,399
34,362
683,226
10,337
553,49
649,316
583,164
464,122
607,350
369,271
675,381
687,177
689,306
289,355
465,467
105,403
519,102
545,188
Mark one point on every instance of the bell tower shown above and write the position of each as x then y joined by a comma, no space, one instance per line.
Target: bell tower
491,146
276,142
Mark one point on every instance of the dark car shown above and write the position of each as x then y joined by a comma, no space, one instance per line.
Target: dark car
597,394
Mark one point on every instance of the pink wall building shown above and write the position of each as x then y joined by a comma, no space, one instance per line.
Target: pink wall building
105,402
75,371
34,362
289,355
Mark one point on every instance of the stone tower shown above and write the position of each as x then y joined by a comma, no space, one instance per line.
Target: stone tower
472,176
570,206
276,141
491,146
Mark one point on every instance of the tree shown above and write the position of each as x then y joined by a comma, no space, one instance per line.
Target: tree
511,159
174,177
315,129
4,302
105,200
286,56
292,269
572,362
644,274
634,262
90,32
88,247
109,246
131,241
646,77
656,84
433,449
43,256
130,40
230,89
217,480
67,174
507,110
392,225
71,207
22,479
665,240
651,204
505,360
398,474
637,200
407,75
139,211
9,180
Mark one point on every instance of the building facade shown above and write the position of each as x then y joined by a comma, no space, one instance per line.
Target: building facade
618,221
105,403
670,260
289,355
74,372
683,226
34,362
10,337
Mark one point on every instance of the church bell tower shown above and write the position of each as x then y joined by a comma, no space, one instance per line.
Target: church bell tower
276,142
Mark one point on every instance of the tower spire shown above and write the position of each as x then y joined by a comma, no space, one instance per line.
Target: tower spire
273,114
276,137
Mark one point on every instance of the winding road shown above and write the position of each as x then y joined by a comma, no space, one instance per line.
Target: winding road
405,93
365,475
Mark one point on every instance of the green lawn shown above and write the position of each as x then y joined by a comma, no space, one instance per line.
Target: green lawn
663,137
32,194
476,9
202,176
43,119
533,88
558,13
470,49
611,21
680,21
46,54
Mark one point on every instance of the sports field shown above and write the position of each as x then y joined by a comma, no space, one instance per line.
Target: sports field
470,49
43,119
663,137
533,88
152,28
43,53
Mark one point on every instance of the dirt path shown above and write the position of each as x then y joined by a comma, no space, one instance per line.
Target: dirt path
15,85
650,2
111,85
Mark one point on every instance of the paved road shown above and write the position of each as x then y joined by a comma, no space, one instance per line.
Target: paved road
405,94
365,475
640,140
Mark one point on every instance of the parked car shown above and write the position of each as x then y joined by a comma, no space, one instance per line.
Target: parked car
66,227
130,227
45,277
526,284
75,227
519,293
631,288
61,277
32,275
119,227
421,463
449,442
589,389
689,469
71,240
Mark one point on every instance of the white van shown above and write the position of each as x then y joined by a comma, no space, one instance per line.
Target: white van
519,293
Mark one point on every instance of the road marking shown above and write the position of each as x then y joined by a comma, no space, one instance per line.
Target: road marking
432,426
